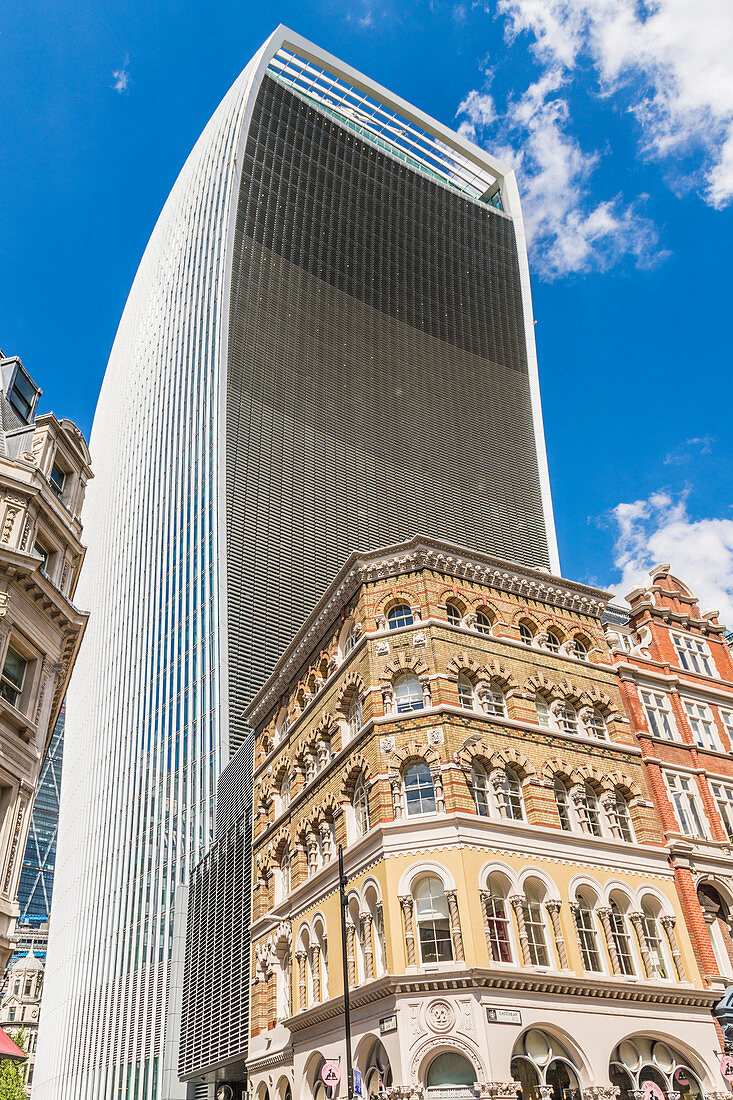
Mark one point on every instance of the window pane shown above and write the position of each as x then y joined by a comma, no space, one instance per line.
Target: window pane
401,615
408,694
419,791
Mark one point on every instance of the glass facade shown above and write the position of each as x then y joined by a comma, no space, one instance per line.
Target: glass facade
326,348
36,877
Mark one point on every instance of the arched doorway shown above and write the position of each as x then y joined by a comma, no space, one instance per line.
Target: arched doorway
377,1073
653,1067
450,1073
541,1059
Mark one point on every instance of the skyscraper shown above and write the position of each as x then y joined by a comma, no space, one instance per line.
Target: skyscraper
36,876
328,346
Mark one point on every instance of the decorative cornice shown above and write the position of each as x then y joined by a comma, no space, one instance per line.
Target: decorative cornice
456,978
411,557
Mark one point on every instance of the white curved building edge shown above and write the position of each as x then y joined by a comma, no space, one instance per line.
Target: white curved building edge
146,731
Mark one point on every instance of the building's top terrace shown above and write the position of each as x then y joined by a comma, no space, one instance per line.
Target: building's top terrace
369,115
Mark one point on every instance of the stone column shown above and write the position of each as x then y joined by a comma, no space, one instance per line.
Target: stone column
485,895
366,933
497,780
668,924
350,953
302,999
455,925
406,904
426,696
326,840
637,919
312,843
545,1092
608,805
553,908
316,971
438,786
604,914
395,784
517,903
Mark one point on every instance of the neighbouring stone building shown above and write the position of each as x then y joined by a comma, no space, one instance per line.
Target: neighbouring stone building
676,673
44,469
20,1007
457,724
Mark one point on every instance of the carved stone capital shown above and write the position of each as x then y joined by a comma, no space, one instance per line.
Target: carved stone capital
498,1090
601,1092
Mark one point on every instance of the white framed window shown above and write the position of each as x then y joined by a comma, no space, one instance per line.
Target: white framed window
553,641
351,639
534,923
683,793
498,921
400,615
356,716
726,717
702,725
419,790
587,935
723,795
284,792
592,810
465,692
480,788
543,711
654,941
694,655
512,791
621,939
568,718
580,649
433,921
408,694
483,623
623,818
494,702
562,801
284,876
361,807
659,714
526,633
455,615
595,725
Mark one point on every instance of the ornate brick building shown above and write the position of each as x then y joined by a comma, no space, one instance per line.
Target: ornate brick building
44,468
676,674
456,723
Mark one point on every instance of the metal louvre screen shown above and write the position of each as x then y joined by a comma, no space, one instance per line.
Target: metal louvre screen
215,1006
377,375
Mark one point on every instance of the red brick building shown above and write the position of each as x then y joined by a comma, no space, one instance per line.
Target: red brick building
676,673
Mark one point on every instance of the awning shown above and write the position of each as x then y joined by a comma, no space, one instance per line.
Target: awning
8,1049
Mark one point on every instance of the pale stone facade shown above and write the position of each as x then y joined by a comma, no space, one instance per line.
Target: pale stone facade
44,469
20,1008
456,724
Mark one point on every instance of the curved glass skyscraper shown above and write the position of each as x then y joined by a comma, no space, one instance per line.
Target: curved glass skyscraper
328,346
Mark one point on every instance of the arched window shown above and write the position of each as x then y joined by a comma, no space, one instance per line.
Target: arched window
540,1059
554,641
433,921
351,638
595,724
484,623
400,615
284,792
620,937
641,1060
408,694
480,788
579,649
455,615
653,936
623,818
356,716
361,806
568,718
465,692
512,789
526,632
497,921
534,923
419,790
284,874
493,699
562,801
718,920
587,935
592,810
543,711
451,1074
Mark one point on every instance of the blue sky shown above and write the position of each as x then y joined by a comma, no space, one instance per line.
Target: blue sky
618,116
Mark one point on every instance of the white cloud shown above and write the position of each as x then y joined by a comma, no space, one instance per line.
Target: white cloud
121,76
688,448
671,59
700,552
566,230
